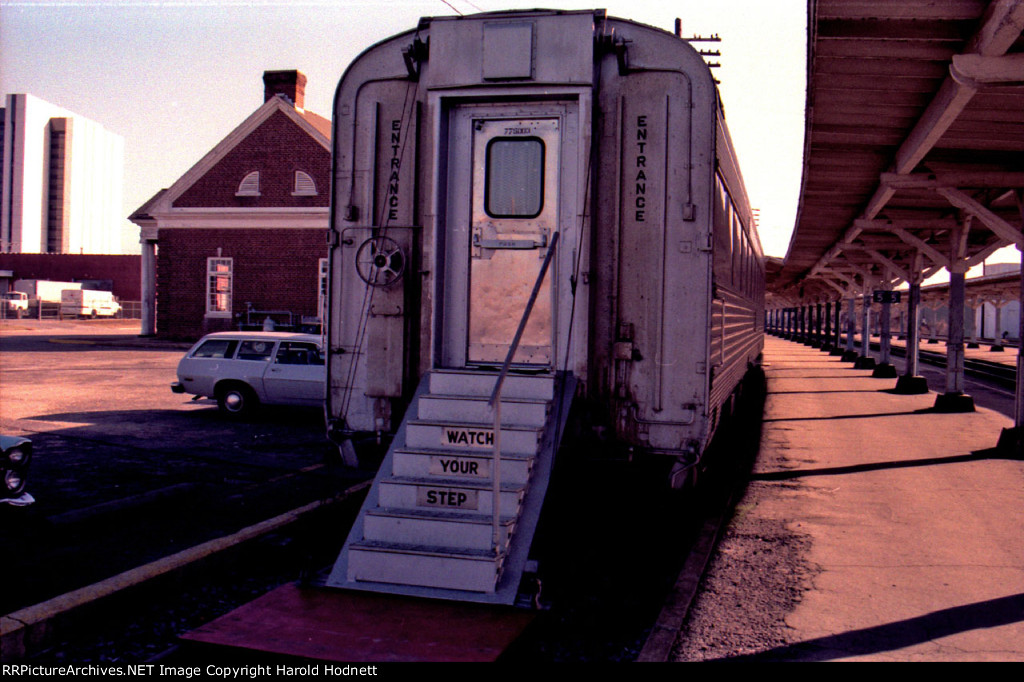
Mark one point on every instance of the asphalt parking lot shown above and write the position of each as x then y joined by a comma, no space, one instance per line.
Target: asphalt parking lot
124,471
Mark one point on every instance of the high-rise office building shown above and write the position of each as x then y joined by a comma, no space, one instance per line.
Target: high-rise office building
60,181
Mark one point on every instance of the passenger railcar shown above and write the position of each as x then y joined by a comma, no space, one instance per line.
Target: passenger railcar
479,160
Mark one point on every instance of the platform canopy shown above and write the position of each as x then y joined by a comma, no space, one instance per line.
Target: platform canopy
914,143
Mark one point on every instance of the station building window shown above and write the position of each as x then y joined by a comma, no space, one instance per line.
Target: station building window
219,272
305,186
250,185
321,306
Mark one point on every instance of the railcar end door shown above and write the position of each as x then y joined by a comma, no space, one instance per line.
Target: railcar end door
498,235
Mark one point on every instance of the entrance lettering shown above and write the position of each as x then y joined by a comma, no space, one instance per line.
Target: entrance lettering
396,162
641,169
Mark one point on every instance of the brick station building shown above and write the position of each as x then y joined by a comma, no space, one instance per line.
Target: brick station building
241,237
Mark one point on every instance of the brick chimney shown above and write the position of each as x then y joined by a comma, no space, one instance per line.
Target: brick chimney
291,84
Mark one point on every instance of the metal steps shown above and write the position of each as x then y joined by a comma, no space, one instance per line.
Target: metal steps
427,527
435,528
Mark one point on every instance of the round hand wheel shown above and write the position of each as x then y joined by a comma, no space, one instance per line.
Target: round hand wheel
380,261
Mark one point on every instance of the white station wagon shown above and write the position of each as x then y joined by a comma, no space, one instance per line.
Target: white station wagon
242,370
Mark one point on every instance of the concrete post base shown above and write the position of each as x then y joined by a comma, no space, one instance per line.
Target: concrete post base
864,363
911,385
998,349
1011,443
954,402
850,356
885,371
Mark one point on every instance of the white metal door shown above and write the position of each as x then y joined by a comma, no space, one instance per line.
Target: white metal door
503,204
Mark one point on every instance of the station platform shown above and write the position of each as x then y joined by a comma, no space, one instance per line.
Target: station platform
911,525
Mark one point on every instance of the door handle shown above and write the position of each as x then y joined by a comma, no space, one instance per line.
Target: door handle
537,241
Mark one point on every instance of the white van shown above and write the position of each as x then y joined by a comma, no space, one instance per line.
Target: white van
88,303
244,369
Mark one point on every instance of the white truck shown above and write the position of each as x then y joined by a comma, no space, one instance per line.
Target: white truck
88,303
15,304
44,290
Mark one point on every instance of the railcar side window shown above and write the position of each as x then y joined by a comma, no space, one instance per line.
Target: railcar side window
515,177
737,248
723,239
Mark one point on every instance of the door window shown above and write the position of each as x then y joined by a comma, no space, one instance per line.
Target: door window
515,177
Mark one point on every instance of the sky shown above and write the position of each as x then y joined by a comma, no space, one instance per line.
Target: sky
175,77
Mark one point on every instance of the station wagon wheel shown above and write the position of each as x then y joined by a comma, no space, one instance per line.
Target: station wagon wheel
14,482
236,400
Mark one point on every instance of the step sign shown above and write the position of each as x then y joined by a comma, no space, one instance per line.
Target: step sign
460,437
460,466
449,498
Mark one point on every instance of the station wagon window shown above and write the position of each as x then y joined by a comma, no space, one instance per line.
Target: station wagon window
218,287
298,353
255,350
515,177
216,348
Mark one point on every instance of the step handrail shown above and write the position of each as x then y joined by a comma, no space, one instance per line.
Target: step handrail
495,400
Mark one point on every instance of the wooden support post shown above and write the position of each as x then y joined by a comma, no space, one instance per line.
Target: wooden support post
884,369
910,383
865,361
851,329
826,343
1011,442
954,399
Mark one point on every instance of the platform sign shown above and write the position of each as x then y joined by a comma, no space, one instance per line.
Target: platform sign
882,296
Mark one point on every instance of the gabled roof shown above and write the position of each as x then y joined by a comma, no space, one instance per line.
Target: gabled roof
144,212
316,126
323,125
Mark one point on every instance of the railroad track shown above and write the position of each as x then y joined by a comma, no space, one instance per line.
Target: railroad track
996,373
